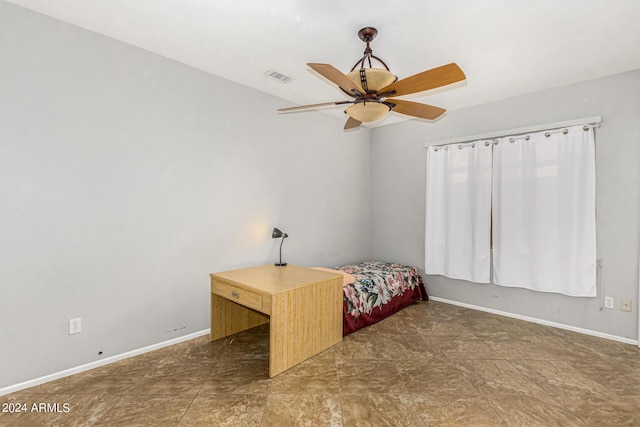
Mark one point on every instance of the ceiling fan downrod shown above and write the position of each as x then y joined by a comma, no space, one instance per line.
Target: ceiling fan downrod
367,35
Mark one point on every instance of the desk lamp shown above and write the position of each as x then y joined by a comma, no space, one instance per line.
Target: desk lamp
276,234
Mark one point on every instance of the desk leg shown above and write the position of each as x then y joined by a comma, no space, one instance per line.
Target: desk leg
304,322
228,318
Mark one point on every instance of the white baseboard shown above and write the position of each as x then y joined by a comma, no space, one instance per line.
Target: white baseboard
539,321
98,363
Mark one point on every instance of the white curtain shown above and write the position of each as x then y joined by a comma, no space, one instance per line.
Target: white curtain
544,212
458,211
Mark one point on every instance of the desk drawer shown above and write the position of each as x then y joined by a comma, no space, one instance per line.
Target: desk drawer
236,294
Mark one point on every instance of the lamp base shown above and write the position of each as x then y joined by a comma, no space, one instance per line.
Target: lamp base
280,264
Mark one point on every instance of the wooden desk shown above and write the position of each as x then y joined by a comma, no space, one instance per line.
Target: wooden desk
303,306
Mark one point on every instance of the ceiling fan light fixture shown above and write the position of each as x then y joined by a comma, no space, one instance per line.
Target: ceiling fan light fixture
376,78
368,111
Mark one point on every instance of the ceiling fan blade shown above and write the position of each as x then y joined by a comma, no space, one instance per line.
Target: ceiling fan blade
304,107
352,123
416,109
430,79
337,77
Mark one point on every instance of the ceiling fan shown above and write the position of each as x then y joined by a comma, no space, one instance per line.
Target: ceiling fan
374,89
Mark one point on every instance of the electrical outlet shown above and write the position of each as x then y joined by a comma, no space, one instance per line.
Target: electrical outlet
625,304
75,326
608,302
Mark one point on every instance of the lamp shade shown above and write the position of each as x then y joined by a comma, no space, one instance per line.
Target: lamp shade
376,78
278,233
368,111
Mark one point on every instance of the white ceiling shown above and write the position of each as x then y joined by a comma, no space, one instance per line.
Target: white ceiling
506,47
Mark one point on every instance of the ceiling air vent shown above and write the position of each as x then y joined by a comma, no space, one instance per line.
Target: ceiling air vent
276,75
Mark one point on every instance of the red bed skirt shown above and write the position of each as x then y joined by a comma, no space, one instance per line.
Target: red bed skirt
351,324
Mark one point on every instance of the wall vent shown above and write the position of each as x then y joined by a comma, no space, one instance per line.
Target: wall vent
276,75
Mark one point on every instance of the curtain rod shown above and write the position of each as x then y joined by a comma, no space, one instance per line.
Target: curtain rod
593,121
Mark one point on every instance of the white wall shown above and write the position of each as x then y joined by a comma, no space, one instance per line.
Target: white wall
398,187
126,178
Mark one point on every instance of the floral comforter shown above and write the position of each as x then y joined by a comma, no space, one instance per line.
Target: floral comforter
378,283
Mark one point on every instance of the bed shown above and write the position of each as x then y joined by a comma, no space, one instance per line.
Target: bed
376,290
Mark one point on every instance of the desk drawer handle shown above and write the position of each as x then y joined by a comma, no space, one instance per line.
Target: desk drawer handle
235,294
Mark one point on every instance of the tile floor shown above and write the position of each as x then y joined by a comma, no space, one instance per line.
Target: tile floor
431,364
